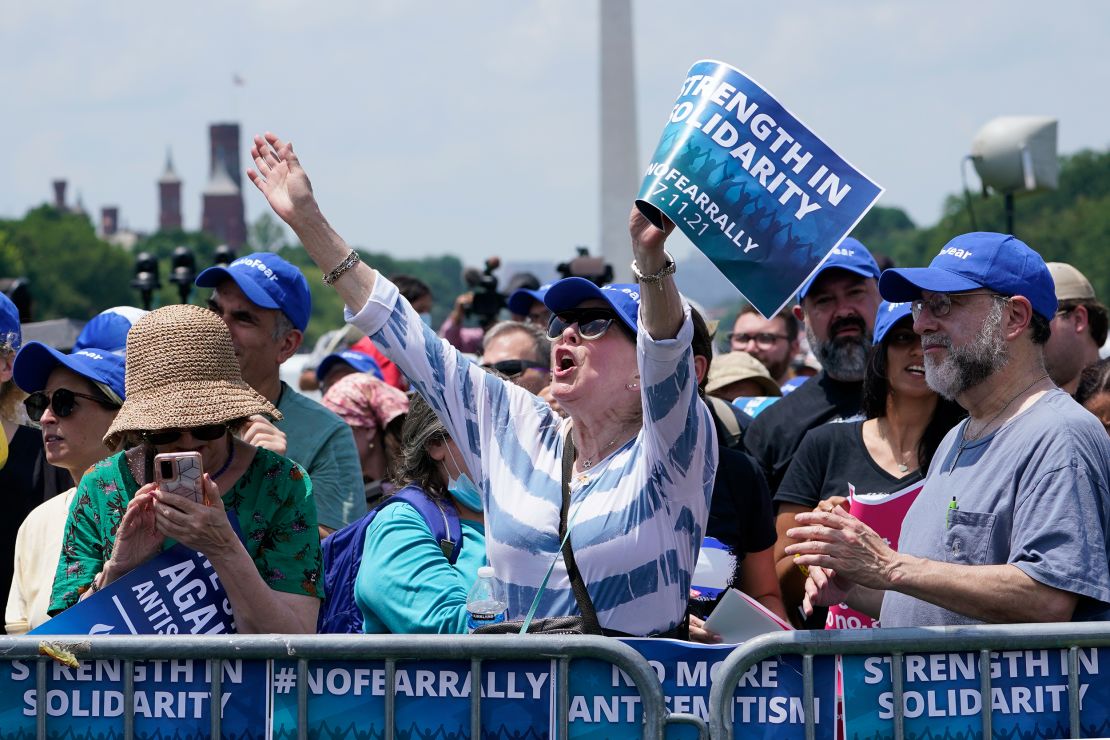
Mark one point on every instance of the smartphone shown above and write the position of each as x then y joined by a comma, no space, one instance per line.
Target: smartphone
180,473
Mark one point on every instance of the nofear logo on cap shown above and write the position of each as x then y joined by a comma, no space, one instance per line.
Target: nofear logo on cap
843,252
86,353
256,264
956,252
627,291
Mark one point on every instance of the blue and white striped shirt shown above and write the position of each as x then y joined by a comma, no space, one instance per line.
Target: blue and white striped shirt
637,517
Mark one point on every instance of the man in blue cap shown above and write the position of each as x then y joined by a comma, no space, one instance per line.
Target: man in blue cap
837,305
265,303
1011,525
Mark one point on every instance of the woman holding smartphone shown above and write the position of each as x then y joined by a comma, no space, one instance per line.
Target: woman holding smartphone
74,398
253,519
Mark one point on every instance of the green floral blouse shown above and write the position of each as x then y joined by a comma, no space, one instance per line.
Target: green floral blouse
273,500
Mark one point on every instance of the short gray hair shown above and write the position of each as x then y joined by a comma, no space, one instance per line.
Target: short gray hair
282,325
541,343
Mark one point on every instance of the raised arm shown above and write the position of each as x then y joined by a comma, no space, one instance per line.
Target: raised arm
288,190
660,304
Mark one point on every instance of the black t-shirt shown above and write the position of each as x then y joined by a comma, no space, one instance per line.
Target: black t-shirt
740,514
830,458
26,480
775,434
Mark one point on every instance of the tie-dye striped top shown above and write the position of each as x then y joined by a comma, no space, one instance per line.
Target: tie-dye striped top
637,517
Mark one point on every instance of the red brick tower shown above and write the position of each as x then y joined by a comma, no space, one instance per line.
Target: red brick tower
222,213
169,197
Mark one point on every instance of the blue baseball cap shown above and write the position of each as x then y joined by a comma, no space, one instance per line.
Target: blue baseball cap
360,361
108,329
520,300
887,316
849,255
11,333
36,361
981,259
624,298
268,281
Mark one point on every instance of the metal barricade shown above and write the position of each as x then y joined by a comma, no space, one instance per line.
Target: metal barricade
983,639
387,648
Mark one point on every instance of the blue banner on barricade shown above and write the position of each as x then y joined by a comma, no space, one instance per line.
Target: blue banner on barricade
177,592
751,186
172,700
943,699
768,699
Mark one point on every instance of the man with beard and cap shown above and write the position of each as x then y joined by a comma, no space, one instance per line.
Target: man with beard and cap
1078,328
838,305
1012,521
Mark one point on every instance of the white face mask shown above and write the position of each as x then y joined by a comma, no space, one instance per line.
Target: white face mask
463,489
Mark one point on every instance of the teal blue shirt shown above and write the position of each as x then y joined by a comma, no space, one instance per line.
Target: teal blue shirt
405,584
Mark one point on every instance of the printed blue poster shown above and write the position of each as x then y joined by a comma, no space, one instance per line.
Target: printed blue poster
943,697
604,702
751,186
172,699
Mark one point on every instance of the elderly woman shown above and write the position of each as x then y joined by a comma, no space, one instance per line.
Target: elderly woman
405,582
643,444
74,398
185,393
375,411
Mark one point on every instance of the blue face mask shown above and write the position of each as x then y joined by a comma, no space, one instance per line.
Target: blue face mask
466,493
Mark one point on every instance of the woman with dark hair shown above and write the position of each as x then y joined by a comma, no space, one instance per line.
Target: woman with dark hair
888,452
1094,391
405,582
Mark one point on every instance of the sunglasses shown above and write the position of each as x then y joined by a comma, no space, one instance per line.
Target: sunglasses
206,433
513,368
62,403
592,322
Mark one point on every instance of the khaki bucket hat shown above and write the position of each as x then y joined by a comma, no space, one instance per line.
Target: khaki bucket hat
182,373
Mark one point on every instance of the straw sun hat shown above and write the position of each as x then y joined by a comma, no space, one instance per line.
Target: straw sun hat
182,373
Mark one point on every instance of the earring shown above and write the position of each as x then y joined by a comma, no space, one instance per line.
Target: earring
632,386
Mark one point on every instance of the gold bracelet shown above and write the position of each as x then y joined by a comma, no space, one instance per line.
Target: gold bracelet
348,262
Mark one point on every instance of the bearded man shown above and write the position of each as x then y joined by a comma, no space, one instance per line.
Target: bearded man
1011,523
838,305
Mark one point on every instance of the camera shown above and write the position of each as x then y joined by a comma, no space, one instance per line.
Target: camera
487,303
594,269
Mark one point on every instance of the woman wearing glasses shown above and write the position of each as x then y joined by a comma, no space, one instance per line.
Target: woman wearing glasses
887,453
641,443
74,398
185,394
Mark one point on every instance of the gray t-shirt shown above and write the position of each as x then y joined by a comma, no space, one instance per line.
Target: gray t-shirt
1033,494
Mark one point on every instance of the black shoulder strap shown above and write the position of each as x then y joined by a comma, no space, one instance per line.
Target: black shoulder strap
581,595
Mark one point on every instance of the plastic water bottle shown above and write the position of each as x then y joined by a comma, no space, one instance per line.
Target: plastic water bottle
485,604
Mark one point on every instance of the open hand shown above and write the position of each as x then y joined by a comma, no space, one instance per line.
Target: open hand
281,179
837,540
824,588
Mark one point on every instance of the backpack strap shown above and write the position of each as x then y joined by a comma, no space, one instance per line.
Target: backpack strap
442,519
728,417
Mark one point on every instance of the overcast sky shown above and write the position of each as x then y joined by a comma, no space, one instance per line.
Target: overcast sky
472,128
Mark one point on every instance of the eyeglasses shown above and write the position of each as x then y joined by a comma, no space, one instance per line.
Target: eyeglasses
592,322
62,403
902,338
513,368
205,433
940,304
762,340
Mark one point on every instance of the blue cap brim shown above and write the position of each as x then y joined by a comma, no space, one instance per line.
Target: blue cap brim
36,361
906,283
520,301
861,271
569,292
213,276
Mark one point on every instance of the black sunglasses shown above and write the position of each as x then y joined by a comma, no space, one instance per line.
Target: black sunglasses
62,402
513,368
592,322
206,433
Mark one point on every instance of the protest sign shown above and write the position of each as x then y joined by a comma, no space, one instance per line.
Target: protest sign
751,186
172,699
1029,695
175,593
768,700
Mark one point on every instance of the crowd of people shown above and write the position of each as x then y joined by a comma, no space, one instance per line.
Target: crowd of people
592,448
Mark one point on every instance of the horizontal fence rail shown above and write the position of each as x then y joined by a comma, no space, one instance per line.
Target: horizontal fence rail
982,639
